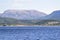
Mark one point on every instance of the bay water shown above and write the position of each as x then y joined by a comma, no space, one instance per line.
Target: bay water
29,33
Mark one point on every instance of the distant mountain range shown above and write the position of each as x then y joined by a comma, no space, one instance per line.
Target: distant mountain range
23,14
29,17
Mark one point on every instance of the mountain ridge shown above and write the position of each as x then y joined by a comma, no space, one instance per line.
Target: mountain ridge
23,14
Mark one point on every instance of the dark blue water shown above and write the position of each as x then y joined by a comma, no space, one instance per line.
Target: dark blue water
29,33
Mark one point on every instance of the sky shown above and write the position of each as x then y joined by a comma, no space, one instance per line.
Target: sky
46,6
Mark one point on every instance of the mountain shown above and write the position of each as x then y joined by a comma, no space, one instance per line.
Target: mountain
23,14
10,17
55,15
51,19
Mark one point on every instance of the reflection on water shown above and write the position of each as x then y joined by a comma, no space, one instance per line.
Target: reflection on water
30,33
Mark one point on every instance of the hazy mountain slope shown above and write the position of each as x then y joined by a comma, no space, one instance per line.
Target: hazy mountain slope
8,21
55,15
23,14
12,21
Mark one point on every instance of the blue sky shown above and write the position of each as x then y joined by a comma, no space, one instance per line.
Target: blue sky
46,6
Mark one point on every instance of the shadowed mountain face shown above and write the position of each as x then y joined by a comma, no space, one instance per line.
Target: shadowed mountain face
23,14
55,15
